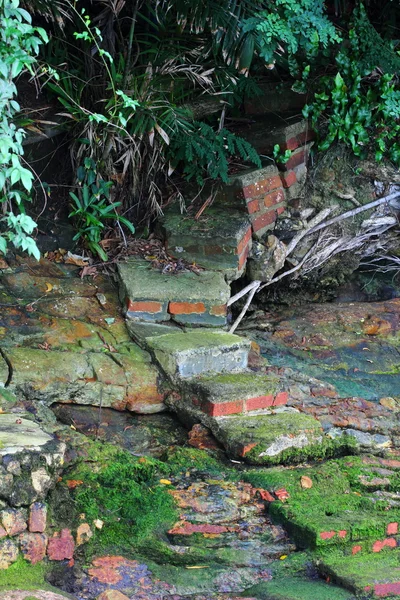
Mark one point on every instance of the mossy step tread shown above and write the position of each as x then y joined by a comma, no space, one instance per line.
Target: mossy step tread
336,509
197,341
217,227
231,386
141,282
377,574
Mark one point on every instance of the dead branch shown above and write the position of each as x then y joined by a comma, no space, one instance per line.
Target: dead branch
245,307
312,223
242,292
355,211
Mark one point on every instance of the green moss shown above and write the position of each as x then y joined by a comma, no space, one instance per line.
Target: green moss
125,493
22,575
179,342
180,460
297,589
360,571
336,502
327,448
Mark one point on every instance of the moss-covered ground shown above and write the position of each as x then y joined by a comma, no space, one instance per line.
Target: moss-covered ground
342,501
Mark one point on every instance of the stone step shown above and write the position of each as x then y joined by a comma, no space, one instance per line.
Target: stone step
375,575
187,298
233,393
186,355
212,241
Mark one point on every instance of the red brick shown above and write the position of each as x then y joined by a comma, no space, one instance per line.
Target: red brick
299,140
274,198
218,310
37,517
61,546
280,210
298,158
281,399
244,241
185,528
186,308
261,187
245,449
288,179
243,257
382,590
380,544
356,549
259,402
327,535
33,546
225,408
253,206
342,533
392,528
264,220
149,307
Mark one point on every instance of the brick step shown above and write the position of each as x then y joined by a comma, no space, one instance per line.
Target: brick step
235,393
202,351
186,298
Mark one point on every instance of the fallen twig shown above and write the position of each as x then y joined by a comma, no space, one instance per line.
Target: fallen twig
246,306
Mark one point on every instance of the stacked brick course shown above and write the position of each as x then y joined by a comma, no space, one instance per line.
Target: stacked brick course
266,192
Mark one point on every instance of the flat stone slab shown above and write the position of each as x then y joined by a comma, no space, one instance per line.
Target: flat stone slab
30,460
183,355
186,297
18,434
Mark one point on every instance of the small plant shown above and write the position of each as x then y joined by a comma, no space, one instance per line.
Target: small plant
92,208
281,157
204,152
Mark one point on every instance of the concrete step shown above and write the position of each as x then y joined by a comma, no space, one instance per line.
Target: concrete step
213,241
233,393
202,351
188,298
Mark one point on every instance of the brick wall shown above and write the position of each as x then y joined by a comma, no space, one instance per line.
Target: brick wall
265,192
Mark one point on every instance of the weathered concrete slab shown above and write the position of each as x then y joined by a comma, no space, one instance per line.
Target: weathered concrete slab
187,297
212,241
232,393
183,355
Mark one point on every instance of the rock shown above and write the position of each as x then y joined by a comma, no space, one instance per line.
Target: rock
41,481
14,521
61,546
33,546
83,534
202,438
8,553
38,454
37,517
266,260
112,595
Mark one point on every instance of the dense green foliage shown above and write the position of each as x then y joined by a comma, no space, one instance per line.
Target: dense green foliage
19,45
360,107
145,89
